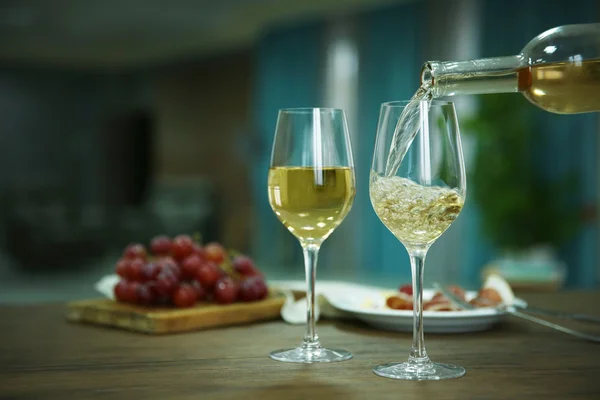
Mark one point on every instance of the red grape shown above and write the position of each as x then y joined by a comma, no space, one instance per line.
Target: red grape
184,272
130,294
191,265
200,292
145,296
208,274
152,286
160,245
226,290
214,252
122,268
406,289
182,246
184,296
253,289
166,260
166,283
197,249
135,250
120,290
134,272
150,272
245,266
168,263
176,270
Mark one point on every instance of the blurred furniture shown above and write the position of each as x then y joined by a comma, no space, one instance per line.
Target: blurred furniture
185,205
528,274
50,228
525,213
555,152
78,361
47,227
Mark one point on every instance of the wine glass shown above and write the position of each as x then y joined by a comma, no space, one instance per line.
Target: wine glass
311,190
417,200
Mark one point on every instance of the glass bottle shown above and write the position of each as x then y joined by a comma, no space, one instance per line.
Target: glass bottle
558,71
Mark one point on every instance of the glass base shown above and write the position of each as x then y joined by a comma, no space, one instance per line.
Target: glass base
310,355
429,371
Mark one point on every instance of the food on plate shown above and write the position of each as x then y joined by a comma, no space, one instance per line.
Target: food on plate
406,289
488,296
180,272
402,301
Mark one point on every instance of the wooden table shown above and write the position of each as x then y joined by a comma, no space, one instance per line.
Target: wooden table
44,357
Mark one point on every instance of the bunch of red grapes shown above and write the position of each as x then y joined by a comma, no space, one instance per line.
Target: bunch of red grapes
180,272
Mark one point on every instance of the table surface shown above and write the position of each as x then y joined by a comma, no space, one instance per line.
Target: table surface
44,357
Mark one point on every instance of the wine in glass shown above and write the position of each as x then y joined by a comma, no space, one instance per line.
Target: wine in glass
417,200
311,189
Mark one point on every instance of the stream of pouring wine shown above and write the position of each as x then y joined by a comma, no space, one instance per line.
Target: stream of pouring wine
406,129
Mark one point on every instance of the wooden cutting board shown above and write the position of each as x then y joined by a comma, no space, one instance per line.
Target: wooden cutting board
171,320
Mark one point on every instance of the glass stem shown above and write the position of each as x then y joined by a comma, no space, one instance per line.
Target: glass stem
311,253
418,354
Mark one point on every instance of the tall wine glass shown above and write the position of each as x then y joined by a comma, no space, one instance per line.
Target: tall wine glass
417,202
311,190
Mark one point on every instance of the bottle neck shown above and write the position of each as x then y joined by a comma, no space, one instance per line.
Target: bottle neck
487,75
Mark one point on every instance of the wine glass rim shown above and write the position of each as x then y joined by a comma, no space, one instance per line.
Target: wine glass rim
404,103
302,110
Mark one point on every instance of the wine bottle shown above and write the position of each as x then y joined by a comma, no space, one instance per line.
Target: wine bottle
558,71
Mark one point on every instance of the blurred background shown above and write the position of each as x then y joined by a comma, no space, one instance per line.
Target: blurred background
123,119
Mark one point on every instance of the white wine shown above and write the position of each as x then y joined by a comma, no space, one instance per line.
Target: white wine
558,71
406,129
311,202
564,88
415,214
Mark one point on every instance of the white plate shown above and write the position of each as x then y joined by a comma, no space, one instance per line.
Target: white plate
368,305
